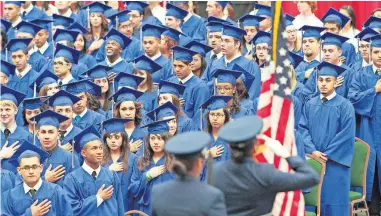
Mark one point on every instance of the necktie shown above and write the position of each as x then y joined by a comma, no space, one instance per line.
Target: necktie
59,83
378,72
19,75
323,100
94,175
214,56
6,133
62,134
77,118
181,83
32,192
24,14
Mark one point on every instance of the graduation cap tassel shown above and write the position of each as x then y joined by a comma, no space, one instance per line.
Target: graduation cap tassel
201,118
141,37
88,17
117,23
370,52
34,89
72,155
34,133
172,60
6,54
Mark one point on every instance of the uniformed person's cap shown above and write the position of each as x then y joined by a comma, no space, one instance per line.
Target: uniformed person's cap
128,80
28,150
174,11
334,15
63,98
216,102
328,69
158,127
114,125
261,37
12,95
84,86
144,63
223,3
247,79
68,53
311,31
65,35
28,27
241,129
166,87
295,58
85,136
167,110
375,41
125,94
183,54
49,117
7,68
198,47
115,35
188,143
333,39
250,20
227,76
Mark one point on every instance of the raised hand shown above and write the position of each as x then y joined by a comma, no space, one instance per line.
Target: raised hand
55,174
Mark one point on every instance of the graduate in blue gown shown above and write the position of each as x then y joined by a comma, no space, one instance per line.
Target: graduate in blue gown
83,116
59,160
14,18
196,92
235,57
218,11
126,106
170,92
364,94
31,107
29,12
334,21
34,191
6,71
327,127
24,74
11,134
364,57
43,43
199,63
118,158
214,40
153,166
115,42
93,189
265,12
293,41
250,23
216,117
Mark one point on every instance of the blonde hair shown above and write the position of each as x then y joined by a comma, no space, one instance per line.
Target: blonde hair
4,103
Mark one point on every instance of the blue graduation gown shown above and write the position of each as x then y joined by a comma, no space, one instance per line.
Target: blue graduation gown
8,180
141,189
330,128
122,66
76,130
250,66
244,111
37,61
165,73
61,157
349,52
35,13
184,124
87,60
195,94
11,33
90,118
148,99
22,85
367,104
48,54
125,180
20,135
304,66
129,53
81,190
195,28
17,202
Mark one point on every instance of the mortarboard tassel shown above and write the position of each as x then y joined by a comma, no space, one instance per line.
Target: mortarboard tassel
88,18
141,37
72,155
34,89
117,23
6,54
34,133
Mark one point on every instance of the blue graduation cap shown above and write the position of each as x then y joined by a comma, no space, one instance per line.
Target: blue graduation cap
158,127
223,3
65,35
84,85
334,15
33,103
136,5
333,39
227,76
28,150
174,11
216,102
150,30
235,32
17,44
17,3
96,7
144,63
288,19
183,54
118,37
7,68
250,20
67,52
311,31
43,79
167,87
240,130
214,26
97,72
247,79
119,17
5,25
295,58
78,27
172,33
114,125
126,94
198,47
110,12
216,19
366,33
125,79
12,95
62,20
62,98
188,144
375,41
261,37
49,117
163,112
263,10
373,22
43,23
85,136
328,69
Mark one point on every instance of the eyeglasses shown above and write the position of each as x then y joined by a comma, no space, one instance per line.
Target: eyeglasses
262,48
59,63
364,46
218,115
33,167
225,88
291,31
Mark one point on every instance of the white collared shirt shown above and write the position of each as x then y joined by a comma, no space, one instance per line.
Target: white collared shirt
364,63
28,10
42,49
236,56
24,72
19,20
329,97
12,128
36,187
187,78
82,113
375,68
90,170
67,14
114,63
187,17
156,56
317,58
66,80
219,55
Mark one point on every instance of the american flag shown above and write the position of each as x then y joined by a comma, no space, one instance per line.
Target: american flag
276,109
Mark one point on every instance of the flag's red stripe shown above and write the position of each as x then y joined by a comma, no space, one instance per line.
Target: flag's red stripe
295,203
265,111
282,125
284,203
261,158
266,85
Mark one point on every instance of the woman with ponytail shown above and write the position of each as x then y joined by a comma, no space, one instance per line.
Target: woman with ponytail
256,184
187,195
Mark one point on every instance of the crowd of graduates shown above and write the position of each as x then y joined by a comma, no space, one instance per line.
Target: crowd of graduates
95,93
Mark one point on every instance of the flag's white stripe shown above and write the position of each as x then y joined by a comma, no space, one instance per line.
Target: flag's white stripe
264,99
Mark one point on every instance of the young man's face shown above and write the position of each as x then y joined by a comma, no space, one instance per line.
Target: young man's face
364,49
326,85
30,169
151,45
81,105
93,152
376,57
332,28
228,46
265,24
20,59
7,114
212,8
48,136
331,53
250,32
135,18
126,28
311,46
41,38
215,41
113,49
66,111
181,69
11,12
61,67
172,22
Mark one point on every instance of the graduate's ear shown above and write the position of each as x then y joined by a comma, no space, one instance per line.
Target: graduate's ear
69,65
19,169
